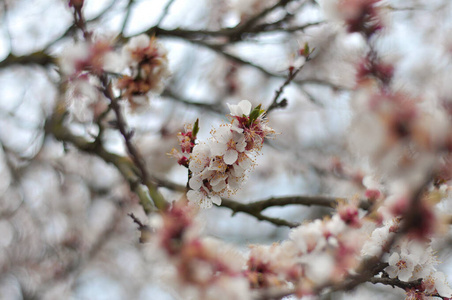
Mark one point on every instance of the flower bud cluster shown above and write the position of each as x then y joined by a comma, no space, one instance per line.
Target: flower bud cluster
319,253
217,167
147,65
83,58
358,15
408,260
316,253
205,268
187,141
142,60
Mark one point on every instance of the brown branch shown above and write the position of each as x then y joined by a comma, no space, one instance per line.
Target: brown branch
144,229
36,58
301,200
395,282
131,149
70,30
165,12
125,166
249,209
292,74
127,16
255,208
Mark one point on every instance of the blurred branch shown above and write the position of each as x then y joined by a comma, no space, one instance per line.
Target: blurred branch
220,49
251,210
136,156
6,26
144,229
127,16
301,200
395,282
36,58
165,12
255,208
125,166
292,74
40,57
70,30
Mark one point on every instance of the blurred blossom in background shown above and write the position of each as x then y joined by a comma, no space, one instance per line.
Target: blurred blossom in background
65,232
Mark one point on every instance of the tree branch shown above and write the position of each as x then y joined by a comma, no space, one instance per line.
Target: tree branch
124,165
249,209
132,150
395,282
36,58
255,208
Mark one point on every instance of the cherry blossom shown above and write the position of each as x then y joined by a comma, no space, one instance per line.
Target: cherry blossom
228,144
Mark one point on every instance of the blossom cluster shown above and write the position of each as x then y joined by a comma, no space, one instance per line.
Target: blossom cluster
204,267
141,65
403,137
409,260
218,167
357,15
147,64
317,254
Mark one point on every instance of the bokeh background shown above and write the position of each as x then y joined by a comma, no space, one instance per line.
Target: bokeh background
64,229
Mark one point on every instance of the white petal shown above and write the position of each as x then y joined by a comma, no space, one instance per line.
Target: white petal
195,182
219,187
141,41
245,163
405,274
441,285
392,271
216,199
194,196
223,134
393,259
233,109
245,107
230,157
235,182
218,149
217,179
205,203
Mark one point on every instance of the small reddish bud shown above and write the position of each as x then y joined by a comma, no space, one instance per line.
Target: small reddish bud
77,4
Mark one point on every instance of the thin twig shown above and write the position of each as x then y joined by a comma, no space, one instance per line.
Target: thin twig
248,209
127,16
6,27
128,170
131,149
292,73
164,12
395,282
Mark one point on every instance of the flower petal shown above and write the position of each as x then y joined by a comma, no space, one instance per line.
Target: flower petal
245,107
230,157
216,199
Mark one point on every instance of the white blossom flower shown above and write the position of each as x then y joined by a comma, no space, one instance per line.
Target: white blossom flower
203,198
199,158
402,264
319,267
436,282
309,237
228,144
243,108
135,44
374,245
